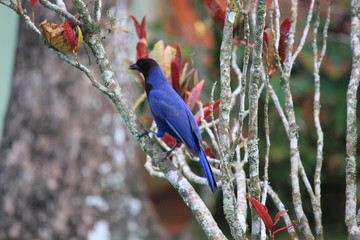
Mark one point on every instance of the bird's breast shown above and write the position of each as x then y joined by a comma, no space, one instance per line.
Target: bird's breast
148,88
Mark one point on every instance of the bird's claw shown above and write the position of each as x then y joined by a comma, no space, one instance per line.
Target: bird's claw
146,132
167,154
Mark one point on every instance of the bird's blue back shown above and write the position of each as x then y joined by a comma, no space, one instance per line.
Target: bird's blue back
173,116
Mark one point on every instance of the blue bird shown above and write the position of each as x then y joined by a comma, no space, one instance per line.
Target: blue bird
171,114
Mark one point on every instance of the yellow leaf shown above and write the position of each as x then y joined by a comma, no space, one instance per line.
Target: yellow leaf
79,38
169,54
158,52
183,74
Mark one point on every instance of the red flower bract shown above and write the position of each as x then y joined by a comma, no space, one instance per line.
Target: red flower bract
141,51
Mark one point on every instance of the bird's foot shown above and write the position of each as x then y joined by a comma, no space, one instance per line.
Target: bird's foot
167,154
146,132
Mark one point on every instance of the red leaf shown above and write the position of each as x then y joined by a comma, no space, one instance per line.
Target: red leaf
195,95
33,2
170,141
215,109
283,228
278,216
175,76
187,59
262,210
178,58
69,34
265,42
147,118
242,42
284,29
217,13
272,70
141,51
206,110
140,27
208,150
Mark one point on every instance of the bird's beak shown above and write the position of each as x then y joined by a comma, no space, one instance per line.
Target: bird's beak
134,67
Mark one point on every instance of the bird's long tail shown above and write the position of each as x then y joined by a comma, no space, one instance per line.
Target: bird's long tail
207,169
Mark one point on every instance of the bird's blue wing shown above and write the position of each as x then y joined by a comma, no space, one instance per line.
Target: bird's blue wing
173,116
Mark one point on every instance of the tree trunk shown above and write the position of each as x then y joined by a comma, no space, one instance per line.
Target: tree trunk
68,166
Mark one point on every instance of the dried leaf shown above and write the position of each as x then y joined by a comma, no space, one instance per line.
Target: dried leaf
59,38
54,34
195,95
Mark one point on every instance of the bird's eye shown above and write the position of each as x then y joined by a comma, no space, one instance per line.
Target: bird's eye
140,62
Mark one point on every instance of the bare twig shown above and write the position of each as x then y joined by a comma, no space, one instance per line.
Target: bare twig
280,206
305,32
229,200
114,92
242,86
277,23
84,12
254,186
240,178
316,108
97,10
60,10
214,136
351,125
266,164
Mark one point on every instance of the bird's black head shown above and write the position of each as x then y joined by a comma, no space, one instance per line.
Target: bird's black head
144,65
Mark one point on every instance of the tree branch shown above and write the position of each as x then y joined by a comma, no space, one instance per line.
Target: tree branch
61,11
229,200
254,187
351,125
